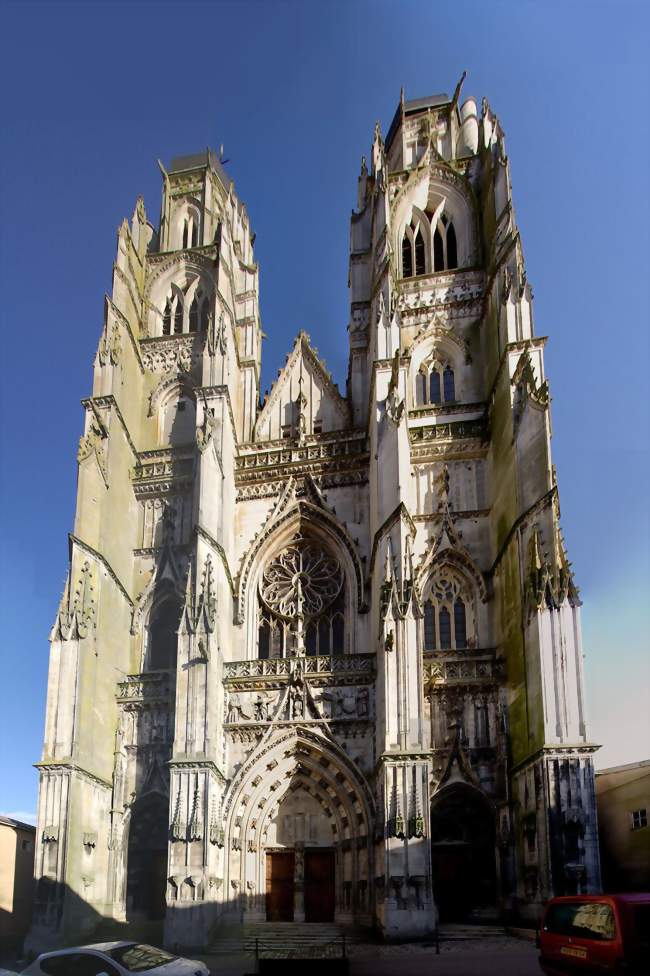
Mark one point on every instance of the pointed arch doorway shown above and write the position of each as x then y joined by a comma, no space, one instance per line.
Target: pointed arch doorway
462,853
146,883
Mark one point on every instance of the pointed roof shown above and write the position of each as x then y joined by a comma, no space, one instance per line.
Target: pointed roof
303,352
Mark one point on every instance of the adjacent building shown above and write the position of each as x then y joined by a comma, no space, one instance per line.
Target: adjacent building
623,801
16,880
319,656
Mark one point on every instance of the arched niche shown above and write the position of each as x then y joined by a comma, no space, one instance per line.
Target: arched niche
146,859
463,852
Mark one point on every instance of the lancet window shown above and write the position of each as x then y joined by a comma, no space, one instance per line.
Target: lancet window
163,636
414,249
301,605
448,613
445,251
173,315
199,309
429,244
435,383
190,237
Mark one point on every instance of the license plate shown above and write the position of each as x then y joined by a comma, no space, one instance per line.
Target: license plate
570,951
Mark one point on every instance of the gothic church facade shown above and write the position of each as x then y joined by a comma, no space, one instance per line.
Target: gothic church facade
318,657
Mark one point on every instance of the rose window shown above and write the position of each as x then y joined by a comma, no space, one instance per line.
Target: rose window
301,579
303,583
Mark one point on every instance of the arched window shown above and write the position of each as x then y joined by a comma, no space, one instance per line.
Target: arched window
460,624
448,384
178,317
167,318
445,252
407,258
301,598
194,315
429,626
421,389
414,248
435,383
434,387
190,236
420,259
163,637
448,617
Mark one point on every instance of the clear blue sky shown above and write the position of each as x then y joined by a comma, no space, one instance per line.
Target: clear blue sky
93,93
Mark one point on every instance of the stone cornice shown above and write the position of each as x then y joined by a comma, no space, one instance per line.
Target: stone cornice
560,751
65,766
464,514
111,403
75,541
187,762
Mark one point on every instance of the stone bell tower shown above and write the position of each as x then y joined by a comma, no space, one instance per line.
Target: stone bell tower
318,658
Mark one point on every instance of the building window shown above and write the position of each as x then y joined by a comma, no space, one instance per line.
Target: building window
414,248
190,232
199,310
445,252
638,819
301,598
448,620
26,845
435,384
421,239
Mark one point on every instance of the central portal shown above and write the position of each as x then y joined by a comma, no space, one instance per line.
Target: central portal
280,867
292,882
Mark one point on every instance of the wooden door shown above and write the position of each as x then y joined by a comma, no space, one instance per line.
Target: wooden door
279,886
319,886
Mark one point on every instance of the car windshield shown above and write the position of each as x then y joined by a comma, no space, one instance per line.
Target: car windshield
138,958
583,920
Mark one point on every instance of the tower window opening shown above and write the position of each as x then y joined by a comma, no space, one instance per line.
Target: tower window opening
407,258
460,625
178,318
167,318
194,315
435,384
420,264
445,250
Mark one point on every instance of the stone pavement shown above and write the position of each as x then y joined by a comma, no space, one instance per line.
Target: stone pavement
507,956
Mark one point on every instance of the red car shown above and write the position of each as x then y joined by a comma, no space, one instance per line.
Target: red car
592,934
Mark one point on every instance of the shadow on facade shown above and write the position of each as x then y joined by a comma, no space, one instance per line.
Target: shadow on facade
62,918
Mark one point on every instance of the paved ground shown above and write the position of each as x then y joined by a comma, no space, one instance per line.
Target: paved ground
506,956
503,957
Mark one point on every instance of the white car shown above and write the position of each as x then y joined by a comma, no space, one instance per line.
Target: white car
114,959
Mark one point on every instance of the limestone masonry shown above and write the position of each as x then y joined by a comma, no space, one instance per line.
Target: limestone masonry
319,658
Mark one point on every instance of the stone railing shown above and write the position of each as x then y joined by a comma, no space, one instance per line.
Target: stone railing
480,668
324,664
154,686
